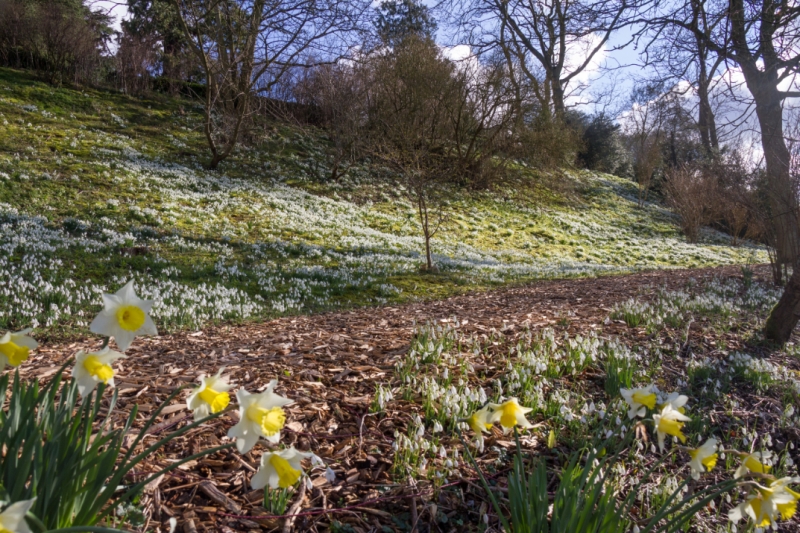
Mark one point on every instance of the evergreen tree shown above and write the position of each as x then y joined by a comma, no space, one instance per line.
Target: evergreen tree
401,18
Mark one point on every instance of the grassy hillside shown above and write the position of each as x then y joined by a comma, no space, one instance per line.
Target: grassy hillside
98,187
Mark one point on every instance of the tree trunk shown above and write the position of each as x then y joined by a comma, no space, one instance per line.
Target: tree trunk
423,215
558,100
428,256
783,318
783,207
781,193
214,163
706,122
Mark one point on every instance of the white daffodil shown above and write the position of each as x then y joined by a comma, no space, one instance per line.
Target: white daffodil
787,510
210,397
92,368
260,415
755,462
510,413
639,400
765,504
15,348
704,458
279,469
676,401
12,520
124,316
669,422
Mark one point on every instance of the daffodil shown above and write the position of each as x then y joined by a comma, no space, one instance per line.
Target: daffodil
704,458
210,397
93,368
755,462
15,348
124,316
639,400
480,423
279,469
787,510
260,415
669,422
12,520
510,414
676,401
765,504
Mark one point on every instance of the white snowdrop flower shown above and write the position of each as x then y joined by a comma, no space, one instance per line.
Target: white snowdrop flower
437,427
124,317
330,475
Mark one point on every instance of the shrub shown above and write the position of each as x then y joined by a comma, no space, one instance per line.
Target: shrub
692,194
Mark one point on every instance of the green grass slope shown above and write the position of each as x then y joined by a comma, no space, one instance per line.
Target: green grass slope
97,187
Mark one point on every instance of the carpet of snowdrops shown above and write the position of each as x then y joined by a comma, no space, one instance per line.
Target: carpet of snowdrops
98,188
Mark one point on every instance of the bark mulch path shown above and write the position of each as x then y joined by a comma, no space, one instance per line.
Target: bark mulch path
329,364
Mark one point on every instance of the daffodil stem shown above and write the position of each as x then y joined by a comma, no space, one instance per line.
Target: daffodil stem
39,526
485,483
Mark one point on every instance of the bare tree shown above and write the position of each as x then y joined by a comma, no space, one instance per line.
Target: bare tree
760,37
439,125
338,93
680,56
644,125
246,47
410,128
550,42
135,58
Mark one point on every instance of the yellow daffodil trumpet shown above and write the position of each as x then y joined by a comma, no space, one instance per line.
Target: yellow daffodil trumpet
669,422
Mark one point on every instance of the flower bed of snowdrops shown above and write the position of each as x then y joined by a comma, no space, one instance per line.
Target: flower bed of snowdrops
97,188
708,415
